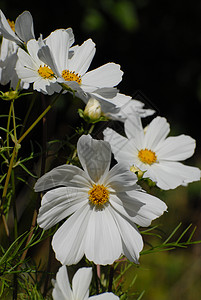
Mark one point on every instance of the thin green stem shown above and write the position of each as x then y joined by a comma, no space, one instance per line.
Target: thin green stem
27,114
15,150
14,123
8,128
39,118
14,205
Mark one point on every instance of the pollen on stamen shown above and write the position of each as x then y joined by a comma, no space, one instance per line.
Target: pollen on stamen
71,76
12,24
147,156
45,72
98,194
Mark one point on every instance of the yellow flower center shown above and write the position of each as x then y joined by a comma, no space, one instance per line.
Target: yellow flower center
147,156
12,24
98,194
71,76
46,72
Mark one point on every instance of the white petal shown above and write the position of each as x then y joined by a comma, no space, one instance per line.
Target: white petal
81,282
132,242
58,42
24,26
104,296
103,242
95,156
58,204
151,209
120,178
68,241
108,75
122,148
62,289
134,130
169,175
64,175
176,148
156,133
6,30
82,57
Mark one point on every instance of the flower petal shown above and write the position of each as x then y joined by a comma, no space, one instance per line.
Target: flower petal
156,133
132,242
64,175
104,296
58,204
95,156
6,30
122,148
81,282
68,241
24,26
169,175
102,240
82,57
62,289
120,178
176,148
108,75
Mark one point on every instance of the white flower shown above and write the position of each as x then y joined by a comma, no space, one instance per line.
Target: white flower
21,31
80,286
102,207
152,151
126,106
8,59
32,70
72,70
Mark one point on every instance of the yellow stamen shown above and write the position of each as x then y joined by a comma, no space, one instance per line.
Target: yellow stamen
12,24
99,194
46,72
71,76
147,156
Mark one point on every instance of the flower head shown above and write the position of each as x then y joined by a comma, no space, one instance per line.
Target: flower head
72,70
19,32
32,70
153,152
80,286
102,207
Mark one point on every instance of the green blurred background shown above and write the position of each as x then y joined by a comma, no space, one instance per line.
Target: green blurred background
158,45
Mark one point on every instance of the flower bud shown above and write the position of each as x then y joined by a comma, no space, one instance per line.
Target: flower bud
10,95
137,171
93,109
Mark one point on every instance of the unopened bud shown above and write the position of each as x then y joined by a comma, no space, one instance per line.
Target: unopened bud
93,109
137,171
10,95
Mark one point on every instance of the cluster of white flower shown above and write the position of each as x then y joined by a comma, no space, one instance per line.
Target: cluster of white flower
101,207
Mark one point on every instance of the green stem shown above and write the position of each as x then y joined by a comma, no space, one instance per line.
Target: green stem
14,123
14,205
39,118
8,128
27,114
91,128
15,150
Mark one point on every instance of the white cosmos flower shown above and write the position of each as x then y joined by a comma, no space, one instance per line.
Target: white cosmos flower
22,30
152,151
8,60
31,69
72,70
80,286
102,207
